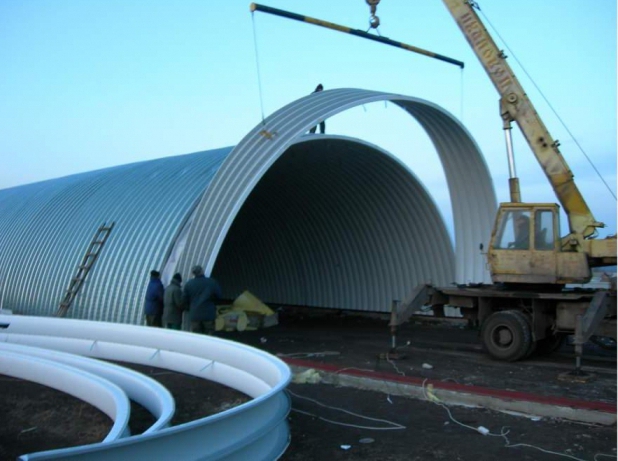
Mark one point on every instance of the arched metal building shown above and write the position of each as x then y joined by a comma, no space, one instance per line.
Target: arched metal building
317,220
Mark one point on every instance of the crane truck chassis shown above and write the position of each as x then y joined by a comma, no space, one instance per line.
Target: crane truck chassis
514,323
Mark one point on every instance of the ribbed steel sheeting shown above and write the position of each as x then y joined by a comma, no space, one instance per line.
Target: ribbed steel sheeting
299,219
46,227
470,186
335,223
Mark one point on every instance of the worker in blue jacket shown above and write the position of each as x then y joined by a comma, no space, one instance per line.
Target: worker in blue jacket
198,298
153,302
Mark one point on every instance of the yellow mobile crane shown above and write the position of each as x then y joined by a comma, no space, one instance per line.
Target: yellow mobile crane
528,306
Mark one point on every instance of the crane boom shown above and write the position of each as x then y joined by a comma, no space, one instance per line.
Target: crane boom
516,106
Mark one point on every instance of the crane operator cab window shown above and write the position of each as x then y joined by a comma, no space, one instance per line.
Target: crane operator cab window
515,228
514,231
543,230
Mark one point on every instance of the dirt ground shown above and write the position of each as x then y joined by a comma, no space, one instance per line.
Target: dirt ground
429,433
452,349
336,423
40,418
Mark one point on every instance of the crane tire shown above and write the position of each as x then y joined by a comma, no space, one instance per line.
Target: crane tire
507,335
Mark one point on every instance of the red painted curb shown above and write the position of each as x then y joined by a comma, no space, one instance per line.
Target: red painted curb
488,392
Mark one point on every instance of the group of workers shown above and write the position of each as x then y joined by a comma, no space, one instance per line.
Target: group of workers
164,307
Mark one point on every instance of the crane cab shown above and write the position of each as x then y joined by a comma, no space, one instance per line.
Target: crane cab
526,247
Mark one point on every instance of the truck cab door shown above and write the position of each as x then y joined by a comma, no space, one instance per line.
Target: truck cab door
524,245
544,246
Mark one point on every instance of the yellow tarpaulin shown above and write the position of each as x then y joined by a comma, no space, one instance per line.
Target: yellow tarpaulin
247,312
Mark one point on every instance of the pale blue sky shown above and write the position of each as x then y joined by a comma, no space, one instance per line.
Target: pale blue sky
87,84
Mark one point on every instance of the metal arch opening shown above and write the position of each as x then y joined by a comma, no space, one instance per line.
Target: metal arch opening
335,222
470,187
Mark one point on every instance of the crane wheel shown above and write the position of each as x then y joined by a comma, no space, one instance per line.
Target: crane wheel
507,335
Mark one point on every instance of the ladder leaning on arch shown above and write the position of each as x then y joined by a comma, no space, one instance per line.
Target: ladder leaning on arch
94,249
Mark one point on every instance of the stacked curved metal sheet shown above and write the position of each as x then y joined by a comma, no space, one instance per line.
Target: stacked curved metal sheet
298,219
66,355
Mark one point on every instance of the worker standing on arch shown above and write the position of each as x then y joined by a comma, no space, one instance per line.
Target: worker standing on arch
322,123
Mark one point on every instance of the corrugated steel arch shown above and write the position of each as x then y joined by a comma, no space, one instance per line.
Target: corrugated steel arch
371,262
335,223
46,227
470,186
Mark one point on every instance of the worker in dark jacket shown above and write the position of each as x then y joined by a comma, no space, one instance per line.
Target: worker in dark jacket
153,303
319,88
172,304
198,298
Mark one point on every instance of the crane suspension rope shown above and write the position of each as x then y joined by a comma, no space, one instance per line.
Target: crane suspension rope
257,65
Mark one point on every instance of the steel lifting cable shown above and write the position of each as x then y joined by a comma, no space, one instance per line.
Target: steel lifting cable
257,65
374,23
461,96
477,7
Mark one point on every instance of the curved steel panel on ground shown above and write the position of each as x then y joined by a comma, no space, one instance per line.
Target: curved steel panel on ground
46,227
150,394
470,186
257,429
89,387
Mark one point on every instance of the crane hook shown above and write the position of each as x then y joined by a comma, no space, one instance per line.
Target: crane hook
374,21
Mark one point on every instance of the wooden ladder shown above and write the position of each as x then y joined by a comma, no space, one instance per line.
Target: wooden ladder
94,249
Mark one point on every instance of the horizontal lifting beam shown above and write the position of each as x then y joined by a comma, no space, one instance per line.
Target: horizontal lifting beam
359,33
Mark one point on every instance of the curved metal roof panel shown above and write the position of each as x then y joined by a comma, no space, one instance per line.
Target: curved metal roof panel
46,227
298,219
470,186
335,223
